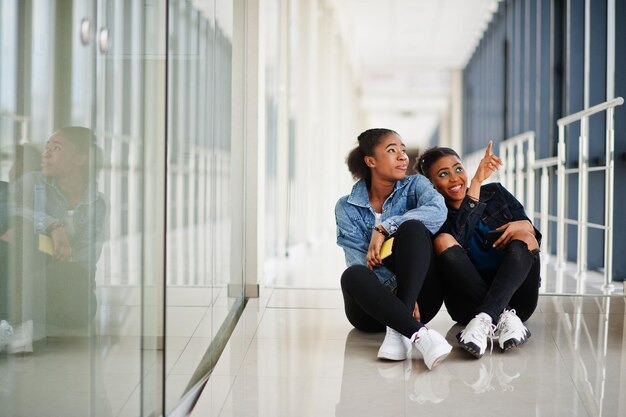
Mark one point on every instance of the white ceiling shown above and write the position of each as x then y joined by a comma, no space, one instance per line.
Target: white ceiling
405,52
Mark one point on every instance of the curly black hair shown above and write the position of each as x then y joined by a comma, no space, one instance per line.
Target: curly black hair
367,142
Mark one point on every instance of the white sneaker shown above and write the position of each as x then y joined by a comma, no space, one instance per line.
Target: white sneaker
510,330
22,340
395,347
475,336
6,332
433,346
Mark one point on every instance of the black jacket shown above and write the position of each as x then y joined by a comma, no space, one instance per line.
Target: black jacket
495,207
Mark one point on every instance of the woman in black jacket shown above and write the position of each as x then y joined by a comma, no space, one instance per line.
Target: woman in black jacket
487,252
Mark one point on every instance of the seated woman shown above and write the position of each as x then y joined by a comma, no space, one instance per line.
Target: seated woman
379,293
60,219
492,286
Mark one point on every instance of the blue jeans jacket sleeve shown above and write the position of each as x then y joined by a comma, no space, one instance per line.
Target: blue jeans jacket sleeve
355,245
429,207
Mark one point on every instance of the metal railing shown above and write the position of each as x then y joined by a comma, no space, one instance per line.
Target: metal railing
518,176
583,170
519,173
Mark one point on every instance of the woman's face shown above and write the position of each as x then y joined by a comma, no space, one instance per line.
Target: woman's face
448,176
390,161
61,158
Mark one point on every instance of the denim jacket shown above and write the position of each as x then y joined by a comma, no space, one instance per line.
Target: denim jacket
413,198
496,206
38,199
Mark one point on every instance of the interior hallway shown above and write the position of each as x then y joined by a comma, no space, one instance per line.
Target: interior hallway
293,353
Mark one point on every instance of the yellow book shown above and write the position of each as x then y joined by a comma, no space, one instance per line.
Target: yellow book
385,250
45,244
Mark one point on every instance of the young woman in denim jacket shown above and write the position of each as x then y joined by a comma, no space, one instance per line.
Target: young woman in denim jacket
378,293
62,202
491,286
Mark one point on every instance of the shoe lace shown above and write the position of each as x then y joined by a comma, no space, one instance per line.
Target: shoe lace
503,323
483,326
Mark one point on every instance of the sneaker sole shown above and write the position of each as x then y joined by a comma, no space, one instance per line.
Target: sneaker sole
511,343
391,356
473,349
438,360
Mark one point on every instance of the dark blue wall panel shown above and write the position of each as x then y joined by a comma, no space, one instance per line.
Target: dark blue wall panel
528,71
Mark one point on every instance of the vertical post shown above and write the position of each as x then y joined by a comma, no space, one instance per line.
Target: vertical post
519,172
530,177
583,189
545,195
508,168
503,176
561,250
608,200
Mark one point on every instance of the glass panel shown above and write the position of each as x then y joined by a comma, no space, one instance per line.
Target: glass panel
74,288
202,225
130,127
53,213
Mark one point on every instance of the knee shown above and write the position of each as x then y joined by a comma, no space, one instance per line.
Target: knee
442,242
413,228
523,243
352,275
528,238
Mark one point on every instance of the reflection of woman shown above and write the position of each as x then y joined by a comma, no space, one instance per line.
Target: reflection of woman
63,204
484,283
26,158
378,293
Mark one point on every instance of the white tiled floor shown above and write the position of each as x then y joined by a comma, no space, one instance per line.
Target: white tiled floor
293,353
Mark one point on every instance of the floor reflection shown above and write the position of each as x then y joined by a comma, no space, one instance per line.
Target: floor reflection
574,364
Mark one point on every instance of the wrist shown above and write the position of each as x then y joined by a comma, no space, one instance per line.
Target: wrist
53,226
381,230
475,182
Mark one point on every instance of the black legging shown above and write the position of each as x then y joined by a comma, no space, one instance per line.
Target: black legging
468,292
370,306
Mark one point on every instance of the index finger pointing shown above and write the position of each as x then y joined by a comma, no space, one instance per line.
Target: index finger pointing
488,151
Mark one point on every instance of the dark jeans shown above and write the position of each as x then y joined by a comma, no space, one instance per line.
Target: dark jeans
467,291
370,306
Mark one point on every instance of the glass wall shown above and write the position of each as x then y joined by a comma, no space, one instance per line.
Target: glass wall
204,274
120,190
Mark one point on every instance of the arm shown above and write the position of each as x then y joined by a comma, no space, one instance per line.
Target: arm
519,225
354,247
351,238
29,202
88,245
462,222
430,208
487,166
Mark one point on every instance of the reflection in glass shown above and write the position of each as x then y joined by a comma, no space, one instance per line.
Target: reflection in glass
58,235
73,122
201,170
